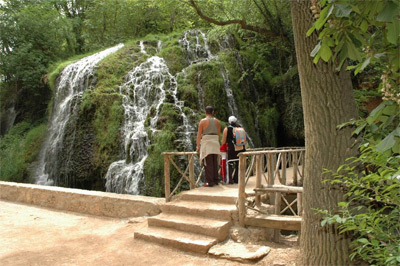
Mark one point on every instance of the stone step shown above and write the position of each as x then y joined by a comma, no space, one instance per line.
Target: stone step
177,239
215,198
194,224
201,208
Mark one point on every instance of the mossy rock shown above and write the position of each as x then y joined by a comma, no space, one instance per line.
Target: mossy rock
174,57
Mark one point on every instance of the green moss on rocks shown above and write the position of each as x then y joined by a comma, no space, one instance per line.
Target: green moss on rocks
174,57
153,183
19,149
269,121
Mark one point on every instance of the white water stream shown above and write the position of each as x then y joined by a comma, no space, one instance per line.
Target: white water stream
143,94
74,80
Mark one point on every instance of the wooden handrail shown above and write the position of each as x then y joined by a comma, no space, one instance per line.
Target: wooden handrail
272,163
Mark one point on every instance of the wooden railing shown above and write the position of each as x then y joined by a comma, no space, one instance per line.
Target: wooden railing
188,174
270,166
278,168
259,160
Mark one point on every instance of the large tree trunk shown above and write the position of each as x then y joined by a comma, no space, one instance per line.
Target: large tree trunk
328,101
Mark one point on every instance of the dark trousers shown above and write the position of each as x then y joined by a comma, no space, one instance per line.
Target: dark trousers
211,169
233,172
233,166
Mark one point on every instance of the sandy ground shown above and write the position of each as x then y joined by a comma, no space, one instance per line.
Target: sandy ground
31,235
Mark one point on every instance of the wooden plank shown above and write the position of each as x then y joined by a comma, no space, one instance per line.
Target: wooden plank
277,188
242,193
167,185
283,222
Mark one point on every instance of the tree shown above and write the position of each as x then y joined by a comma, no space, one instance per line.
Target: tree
328,101
28,45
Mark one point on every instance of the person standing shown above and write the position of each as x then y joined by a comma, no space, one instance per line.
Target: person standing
227,137
208,135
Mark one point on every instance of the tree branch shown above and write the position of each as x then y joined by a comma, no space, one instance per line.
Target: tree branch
242,23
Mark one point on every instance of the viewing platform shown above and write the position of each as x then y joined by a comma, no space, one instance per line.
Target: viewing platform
267,196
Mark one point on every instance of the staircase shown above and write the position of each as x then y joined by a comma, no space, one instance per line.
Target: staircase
195,222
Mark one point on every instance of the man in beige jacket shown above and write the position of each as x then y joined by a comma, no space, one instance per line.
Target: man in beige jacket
208,136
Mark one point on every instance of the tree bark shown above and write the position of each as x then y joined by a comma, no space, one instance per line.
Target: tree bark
328,101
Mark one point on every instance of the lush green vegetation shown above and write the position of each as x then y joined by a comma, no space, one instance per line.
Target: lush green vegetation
258,56
18,149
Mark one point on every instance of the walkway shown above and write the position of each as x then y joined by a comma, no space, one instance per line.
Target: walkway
31,235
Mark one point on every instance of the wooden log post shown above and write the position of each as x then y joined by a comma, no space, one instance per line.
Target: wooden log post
191,171
299,203
283,156
271,180
277,232
259,169
295,166
167,184
303,163
242,190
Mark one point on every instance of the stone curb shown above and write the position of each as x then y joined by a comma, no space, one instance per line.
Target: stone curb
81,201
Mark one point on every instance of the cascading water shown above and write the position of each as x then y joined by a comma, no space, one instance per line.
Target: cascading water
199,52
74,80
11,114
143,94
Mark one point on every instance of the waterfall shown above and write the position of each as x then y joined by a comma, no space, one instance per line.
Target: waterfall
199,51
143,93
74,80
142,49
10,116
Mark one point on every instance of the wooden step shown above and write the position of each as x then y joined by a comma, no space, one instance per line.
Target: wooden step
177,239
194,224
200,208
284,222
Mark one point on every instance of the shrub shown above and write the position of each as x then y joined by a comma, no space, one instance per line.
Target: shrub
371,183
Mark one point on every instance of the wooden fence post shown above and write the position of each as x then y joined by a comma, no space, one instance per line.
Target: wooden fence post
303,163
271,180
300,203
167,184
259,169
191,171
283,156
277,232
295,166
242,188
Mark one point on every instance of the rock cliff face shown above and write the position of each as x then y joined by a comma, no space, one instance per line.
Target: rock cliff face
147,97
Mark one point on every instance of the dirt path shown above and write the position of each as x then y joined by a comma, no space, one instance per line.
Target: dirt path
31,235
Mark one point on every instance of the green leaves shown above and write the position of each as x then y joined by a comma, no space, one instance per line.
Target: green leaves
325,52
371,183
393,31
389,12
343,10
